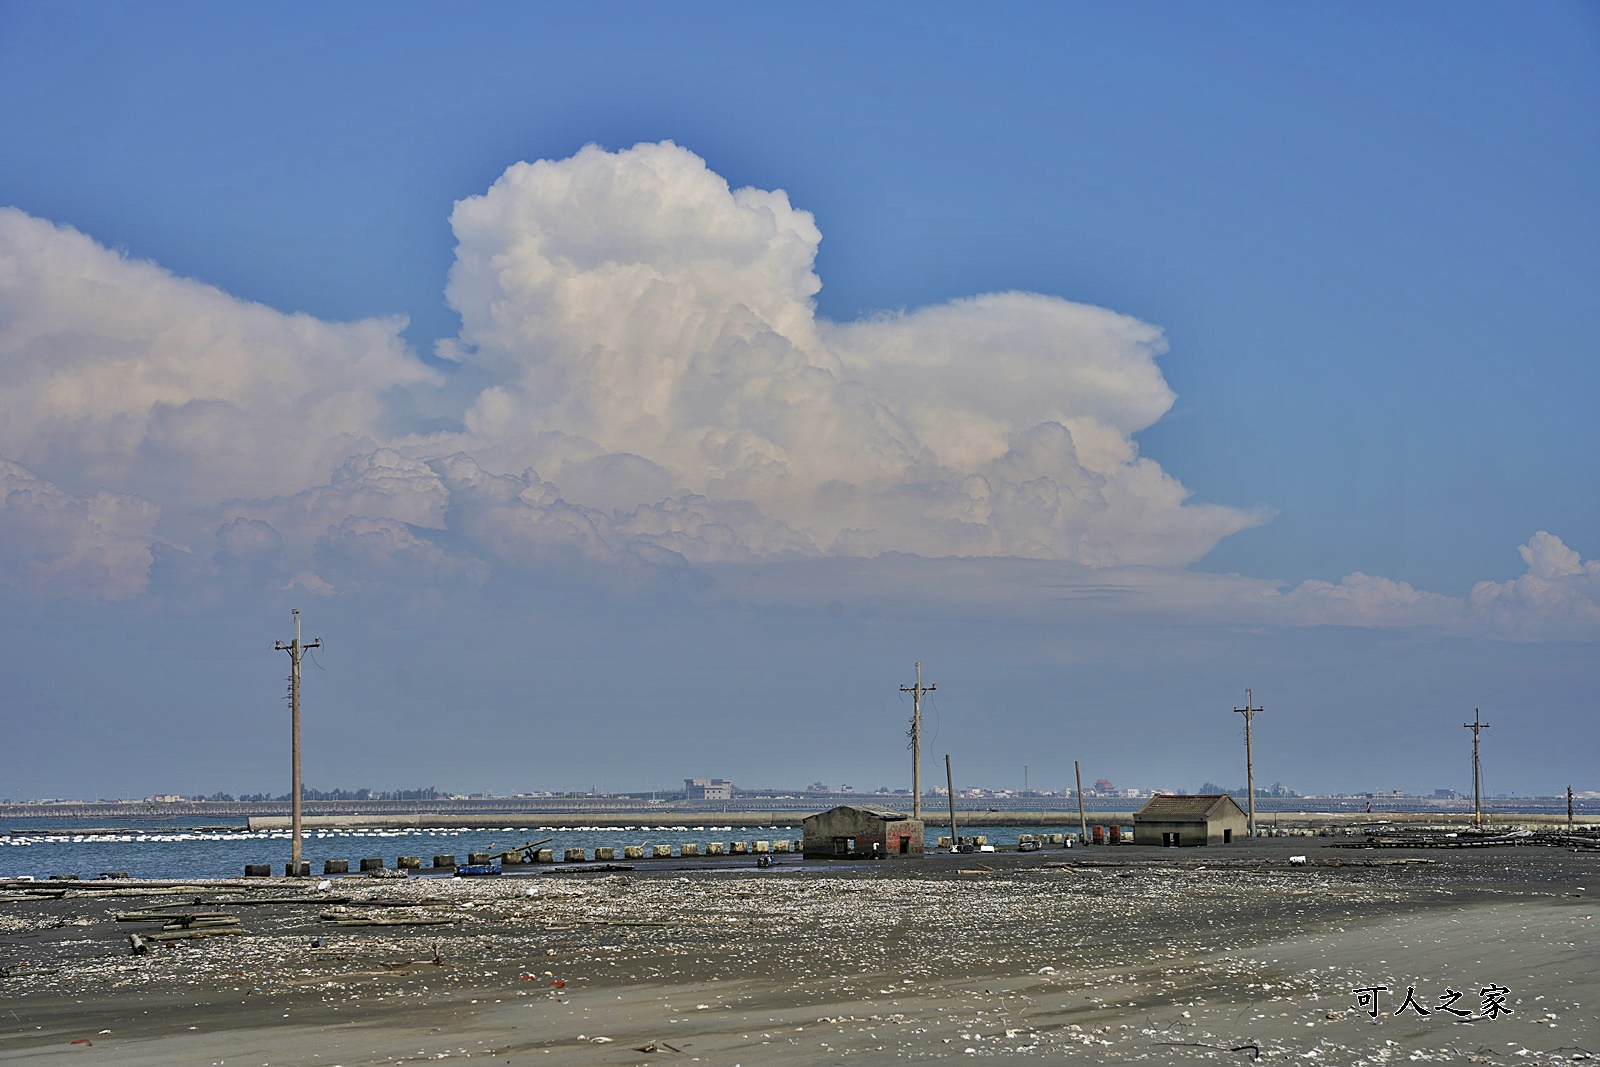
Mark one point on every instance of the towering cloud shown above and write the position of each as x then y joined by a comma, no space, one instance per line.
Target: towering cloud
655,335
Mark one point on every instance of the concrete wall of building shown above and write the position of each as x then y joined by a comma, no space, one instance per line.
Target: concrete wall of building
862,834
1197,831
1151,832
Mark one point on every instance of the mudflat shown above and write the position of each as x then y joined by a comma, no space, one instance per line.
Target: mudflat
1107,955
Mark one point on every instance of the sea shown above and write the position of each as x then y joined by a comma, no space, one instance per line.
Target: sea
166,848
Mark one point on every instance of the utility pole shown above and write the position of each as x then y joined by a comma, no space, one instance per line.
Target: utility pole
1249,758
1083,822
1569,809
950,789
1477,728
916,692
296,650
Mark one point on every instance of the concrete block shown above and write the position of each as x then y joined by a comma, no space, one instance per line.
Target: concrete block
739,848
945,842
660,851
476,859
335,866
605,852
688,849
444,860
633,852
575,855
797,846
980,840
715,848
372,864
513,860
303,872
1056,839
780,846
409,863
762,846
258,870
1023,839
545,855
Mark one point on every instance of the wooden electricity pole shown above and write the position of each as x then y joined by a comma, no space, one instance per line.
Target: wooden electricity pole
1249,758
1477,728
296,650
916,692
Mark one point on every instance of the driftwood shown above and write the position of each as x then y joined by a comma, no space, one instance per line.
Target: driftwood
528,851
250,902
186,935
437,961
346,918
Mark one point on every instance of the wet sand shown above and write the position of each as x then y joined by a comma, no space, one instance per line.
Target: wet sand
1153,957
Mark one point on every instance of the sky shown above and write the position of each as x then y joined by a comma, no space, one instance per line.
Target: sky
628,393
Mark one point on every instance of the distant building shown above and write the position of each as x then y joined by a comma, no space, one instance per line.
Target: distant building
1206,819
862,831
708,788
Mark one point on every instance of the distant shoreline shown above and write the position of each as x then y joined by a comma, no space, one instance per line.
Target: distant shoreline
1531,812
1286,820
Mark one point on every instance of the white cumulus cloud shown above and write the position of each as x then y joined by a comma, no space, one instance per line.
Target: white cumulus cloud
648,322
1559,595
661,394
116,373
92,547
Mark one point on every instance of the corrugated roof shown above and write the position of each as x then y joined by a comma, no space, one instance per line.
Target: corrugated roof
1195,806
886,814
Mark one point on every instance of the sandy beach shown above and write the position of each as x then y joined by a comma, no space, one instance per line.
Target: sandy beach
1100,955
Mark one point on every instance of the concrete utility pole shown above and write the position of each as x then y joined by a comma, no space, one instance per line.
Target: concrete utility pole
1083,821
1249,759
916,692
296,650
1569,809
1477,787
950,789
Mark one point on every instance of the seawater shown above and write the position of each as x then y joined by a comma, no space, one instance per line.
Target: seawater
160,849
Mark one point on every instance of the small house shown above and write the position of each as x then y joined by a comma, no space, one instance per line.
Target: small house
1207,819
861,831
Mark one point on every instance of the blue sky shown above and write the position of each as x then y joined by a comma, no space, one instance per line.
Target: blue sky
1367,238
